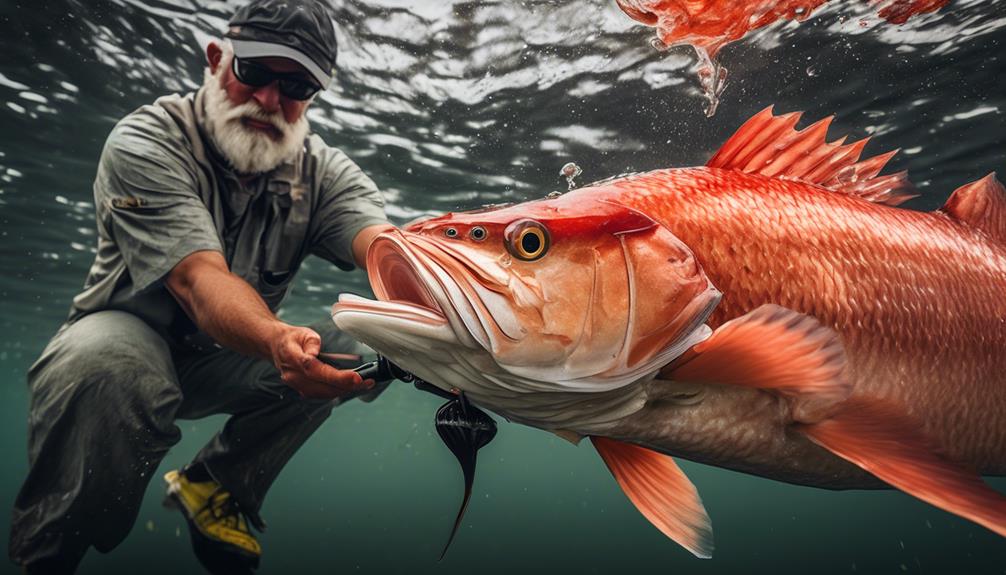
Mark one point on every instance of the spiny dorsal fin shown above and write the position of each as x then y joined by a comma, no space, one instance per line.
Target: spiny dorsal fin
981,204
770,145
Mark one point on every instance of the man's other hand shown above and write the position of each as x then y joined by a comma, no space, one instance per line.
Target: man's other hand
295,355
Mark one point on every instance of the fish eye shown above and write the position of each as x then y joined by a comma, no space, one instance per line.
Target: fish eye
478,233
527,240
451,232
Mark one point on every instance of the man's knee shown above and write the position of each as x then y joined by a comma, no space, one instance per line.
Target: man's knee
112,361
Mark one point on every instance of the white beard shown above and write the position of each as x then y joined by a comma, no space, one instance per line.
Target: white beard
248,150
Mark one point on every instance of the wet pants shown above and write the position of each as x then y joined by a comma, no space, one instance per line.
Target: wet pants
104,398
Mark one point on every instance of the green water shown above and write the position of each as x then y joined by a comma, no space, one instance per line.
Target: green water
449,106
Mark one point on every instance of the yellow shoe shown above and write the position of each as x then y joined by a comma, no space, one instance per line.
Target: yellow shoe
221,538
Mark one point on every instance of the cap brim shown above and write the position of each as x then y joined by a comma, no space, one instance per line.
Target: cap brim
256,49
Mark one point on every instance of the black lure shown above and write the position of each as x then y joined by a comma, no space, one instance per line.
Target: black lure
463,427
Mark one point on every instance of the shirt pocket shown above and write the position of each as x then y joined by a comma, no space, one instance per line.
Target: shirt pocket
273,286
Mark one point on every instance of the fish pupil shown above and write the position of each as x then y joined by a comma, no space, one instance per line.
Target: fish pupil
530,243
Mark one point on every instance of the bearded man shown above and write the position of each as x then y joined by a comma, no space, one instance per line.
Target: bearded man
206,206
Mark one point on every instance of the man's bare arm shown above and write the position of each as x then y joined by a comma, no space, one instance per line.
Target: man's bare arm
230,310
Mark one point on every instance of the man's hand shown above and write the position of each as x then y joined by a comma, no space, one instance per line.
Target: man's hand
295,355
233,313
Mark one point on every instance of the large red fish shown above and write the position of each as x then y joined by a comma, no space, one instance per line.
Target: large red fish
770,312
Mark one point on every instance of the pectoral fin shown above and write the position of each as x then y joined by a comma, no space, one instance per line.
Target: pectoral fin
889,445
661,492
776,349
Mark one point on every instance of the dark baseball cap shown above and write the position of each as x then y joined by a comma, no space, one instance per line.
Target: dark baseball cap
300,30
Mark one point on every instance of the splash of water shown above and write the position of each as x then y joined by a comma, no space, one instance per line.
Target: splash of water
712,78
570,171
708,25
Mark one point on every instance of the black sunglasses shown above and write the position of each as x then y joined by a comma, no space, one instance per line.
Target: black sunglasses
293,86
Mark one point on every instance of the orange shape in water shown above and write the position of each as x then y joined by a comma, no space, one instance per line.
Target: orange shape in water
708,25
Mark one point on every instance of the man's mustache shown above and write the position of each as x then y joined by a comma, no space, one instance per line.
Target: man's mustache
252,111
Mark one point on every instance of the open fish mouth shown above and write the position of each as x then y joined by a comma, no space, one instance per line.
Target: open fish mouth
397,278
412,285
431,282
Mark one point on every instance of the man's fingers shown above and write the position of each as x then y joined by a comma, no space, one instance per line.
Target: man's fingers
340,377
315,390
311,342
302,370
345,379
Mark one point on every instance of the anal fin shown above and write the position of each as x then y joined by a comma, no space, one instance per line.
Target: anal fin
661,492
888,444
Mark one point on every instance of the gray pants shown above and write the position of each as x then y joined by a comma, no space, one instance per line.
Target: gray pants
104,398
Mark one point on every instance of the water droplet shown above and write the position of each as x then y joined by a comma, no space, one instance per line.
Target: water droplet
712,78
570,171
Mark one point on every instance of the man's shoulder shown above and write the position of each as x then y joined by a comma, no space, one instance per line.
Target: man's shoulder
147,144
322,151
331,164
152,125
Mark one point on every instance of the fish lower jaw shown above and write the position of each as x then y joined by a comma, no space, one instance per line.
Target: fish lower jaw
405,311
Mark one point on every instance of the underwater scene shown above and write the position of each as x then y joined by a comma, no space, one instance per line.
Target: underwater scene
455,106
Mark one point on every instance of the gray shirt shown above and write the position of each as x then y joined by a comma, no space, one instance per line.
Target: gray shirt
163,192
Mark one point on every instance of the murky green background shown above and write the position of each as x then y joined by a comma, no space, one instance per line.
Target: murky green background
449,105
